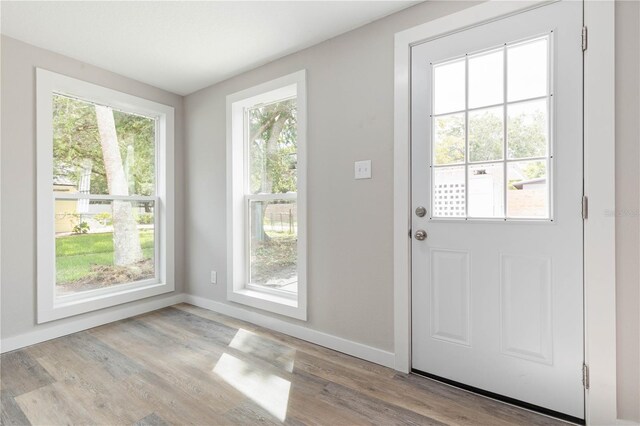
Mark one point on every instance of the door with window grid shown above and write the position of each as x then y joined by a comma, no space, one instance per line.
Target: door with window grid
496,199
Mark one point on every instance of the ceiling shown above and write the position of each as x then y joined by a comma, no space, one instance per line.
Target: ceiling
184,46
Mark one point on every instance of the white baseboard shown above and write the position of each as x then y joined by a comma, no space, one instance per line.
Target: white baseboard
339,344
52,331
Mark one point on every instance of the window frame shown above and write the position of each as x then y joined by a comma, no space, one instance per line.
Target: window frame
239,290
50,307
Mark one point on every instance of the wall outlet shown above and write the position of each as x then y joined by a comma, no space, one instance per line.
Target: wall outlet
214,277
363,169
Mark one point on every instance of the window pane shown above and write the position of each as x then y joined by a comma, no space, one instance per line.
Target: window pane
448,143
486,83
274,244
528,191
486,134
527,129
102,243
486,190
448,192
527,70
448,87
97,150
272,148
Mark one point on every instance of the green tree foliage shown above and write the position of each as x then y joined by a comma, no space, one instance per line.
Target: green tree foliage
485,136
76,145
449,139
273,147
137,134
526,133
272,155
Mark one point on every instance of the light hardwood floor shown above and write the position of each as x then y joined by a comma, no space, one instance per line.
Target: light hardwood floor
186,365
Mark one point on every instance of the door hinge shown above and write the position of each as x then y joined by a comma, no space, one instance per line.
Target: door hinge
585,207
585,375
409,232
584,38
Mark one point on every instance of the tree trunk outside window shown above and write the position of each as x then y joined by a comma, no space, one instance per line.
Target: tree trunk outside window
126,240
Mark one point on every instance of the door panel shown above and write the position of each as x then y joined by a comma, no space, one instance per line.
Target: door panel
497,164
525,304
450,295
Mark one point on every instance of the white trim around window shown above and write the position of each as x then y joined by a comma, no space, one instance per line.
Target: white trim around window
239,290
49,306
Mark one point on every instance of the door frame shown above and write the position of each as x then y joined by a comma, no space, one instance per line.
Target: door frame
599,187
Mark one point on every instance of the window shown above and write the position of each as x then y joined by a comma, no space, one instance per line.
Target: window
104,197
266,196
491,138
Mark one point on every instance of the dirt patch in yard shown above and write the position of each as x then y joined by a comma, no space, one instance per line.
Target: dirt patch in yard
102,276
274,261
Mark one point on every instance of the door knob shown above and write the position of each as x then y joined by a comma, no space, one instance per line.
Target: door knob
420,234
421,211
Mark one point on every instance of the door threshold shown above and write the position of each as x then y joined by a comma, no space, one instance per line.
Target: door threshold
511,401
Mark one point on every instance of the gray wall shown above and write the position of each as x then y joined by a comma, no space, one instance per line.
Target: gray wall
628,206
18,162
350,117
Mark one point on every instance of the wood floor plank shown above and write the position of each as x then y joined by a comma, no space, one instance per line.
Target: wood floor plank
94,387
374,410
184,365
250,413
205,313
10,412
306,406
20,373
114,362
203,327
151,420
55,405
174,405
277,354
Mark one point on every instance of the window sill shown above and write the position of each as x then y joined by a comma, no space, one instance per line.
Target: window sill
92,300
277,304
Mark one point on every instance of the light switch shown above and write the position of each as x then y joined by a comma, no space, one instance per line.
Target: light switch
363,169
214,277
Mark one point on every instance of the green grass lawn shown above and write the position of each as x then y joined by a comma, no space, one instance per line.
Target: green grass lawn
76,253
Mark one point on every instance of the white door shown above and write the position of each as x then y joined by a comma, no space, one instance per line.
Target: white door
497,294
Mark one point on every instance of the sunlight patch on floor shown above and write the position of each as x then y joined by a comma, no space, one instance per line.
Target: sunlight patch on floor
265,389
249,343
